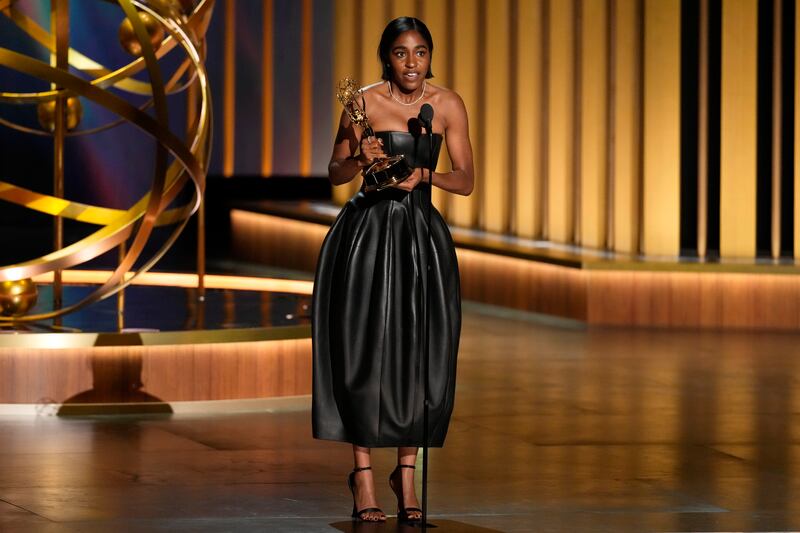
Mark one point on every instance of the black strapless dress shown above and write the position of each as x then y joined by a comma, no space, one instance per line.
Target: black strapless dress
368,316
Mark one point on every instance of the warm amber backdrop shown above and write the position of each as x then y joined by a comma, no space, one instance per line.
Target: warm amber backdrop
553,90
575,114
574,107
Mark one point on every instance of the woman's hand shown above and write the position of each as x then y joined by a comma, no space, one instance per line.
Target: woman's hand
412,181
371,149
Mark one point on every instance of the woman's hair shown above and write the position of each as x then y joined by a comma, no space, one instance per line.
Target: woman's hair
392,32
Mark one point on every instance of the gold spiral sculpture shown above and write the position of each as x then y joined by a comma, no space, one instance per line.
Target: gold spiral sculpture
150,30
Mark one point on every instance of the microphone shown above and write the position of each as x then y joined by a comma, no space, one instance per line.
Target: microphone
426,116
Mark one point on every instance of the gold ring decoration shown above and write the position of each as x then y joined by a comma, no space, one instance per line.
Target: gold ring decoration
178,23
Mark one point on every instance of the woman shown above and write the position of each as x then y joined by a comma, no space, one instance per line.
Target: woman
369,290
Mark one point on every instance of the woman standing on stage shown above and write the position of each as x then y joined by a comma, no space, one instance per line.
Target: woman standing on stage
369,291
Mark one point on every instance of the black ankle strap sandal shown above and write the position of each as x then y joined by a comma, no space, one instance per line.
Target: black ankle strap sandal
403,512
359,514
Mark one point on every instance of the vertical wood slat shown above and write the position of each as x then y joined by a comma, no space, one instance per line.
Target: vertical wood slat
478,193
435,15
640,57
738,129
512,174
611,110
702,132
544,151
373,20
229,89
306,87
577,121
267,90
402,8
777,127
560,121
495,167
344,65
661,163
465,83
593,130
528,108
796,134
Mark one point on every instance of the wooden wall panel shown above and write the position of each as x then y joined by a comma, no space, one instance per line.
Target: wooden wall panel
692,299
738,129
401,8
593,130
661,179
714,300
169,373
626,135
560,157
374,16
528,107
345,65
541,170
465,83
522,284
618,307
276,241
797,133
710,303
306,88
497,145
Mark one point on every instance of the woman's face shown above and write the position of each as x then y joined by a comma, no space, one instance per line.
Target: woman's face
410,60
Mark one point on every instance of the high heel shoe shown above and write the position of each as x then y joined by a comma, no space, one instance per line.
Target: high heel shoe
351,483
396,479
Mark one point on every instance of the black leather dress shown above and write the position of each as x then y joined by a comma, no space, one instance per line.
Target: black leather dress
368,316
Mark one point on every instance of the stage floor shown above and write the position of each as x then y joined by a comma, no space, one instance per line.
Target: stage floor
556,428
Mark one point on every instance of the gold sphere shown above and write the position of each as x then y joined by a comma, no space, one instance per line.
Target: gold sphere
17,297
127,37
46,111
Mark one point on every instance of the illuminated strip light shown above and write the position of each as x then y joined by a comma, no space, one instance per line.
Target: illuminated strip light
173,279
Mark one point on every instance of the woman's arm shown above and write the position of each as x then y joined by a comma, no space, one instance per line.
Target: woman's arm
344,163
461,179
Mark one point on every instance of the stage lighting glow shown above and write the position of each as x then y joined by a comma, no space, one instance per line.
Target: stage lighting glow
173,279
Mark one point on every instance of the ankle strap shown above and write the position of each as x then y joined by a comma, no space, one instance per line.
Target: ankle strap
360,468
405,466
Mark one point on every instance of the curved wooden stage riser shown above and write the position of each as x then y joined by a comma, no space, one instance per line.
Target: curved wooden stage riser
759,297
716,300
172,373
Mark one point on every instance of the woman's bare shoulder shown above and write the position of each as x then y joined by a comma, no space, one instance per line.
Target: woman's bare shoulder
373,90
447,102
444,97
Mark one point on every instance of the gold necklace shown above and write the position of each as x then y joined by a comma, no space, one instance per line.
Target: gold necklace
424,85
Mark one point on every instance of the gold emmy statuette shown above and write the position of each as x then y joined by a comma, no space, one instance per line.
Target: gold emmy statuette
150,30
384,172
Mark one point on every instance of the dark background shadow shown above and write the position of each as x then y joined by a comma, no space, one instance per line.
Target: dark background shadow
117,385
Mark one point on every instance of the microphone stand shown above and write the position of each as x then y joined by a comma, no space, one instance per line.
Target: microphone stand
427,335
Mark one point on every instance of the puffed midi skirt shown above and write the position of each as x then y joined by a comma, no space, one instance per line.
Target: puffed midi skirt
368,323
